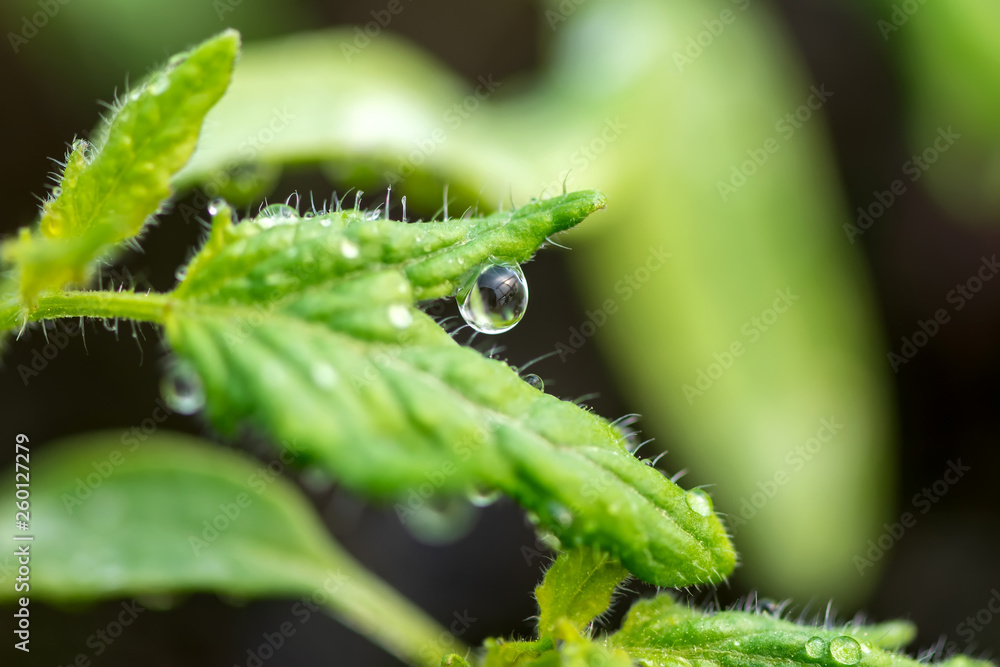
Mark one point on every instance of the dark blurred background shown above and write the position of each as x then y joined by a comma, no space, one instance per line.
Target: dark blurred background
944,570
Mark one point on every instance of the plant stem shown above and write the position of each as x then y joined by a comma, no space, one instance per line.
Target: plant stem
376,610
150,307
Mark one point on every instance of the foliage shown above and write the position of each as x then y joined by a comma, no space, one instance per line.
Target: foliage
308,327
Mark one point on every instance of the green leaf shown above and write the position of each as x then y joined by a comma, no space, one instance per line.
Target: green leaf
113,516
111,187
577,588
667,138
305,328
575,651
661,632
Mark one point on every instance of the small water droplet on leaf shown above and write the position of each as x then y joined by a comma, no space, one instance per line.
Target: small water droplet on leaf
216,205
535,381
400,316
845,650
348,249
699,502
815,648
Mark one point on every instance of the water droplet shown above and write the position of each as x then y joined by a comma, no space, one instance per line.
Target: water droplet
496,300
159,84
816,648
276,214
699,502
216,205
534,381
561,515
845,650
181,273
348,249
400,316
549,539
181,388
323,375
481,496
441,521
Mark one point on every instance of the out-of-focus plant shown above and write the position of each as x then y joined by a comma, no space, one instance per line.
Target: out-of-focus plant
949,58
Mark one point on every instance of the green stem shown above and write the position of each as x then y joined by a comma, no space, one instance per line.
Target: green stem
376,610
150,307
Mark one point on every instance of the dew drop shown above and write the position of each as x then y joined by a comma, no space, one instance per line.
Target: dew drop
158,85
216,205
845,650
816,648
348,249
534,381
181,388
400,316
482,496
181,273
561,515
496,300
276,214
441,521
699,502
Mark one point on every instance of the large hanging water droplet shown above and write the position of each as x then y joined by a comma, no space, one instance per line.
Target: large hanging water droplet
276,214
496,300
440,521
816,648
181,388
699,502
534,381
845,650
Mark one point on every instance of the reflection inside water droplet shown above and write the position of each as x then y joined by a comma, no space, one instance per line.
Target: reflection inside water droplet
495,301
181,388
699,502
